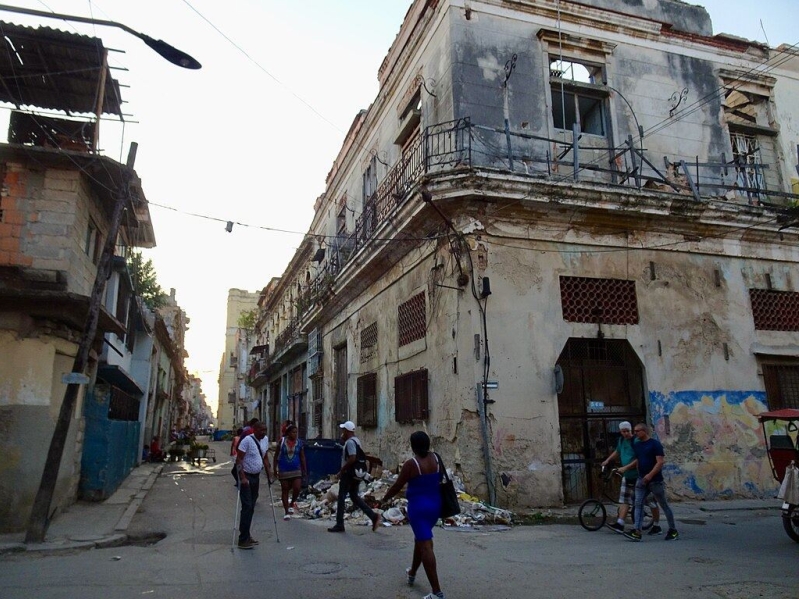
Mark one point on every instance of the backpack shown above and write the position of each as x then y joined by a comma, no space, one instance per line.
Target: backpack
360,469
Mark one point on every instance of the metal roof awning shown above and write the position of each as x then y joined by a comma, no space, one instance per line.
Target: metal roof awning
56,70
116,376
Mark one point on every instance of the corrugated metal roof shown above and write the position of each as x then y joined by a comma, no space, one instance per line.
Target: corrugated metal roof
52,69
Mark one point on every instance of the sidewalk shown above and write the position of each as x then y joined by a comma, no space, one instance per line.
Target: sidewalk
87,525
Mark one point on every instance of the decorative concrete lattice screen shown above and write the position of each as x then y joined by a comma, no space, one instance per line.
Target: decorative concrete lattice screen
368,342
367,400
412,320
601,301
775,310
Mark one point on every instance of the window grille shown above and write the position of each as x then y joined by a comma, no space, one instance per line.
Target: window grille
412,320
782,385
368,342
122,406
410,396
601,301
367,400
775,310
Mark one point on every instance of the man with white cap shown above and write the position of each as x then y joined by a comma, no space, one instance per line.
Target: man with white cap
626,455
347,482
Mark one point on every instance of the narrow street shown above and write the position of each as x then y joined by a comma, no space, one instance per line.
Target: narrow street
733,554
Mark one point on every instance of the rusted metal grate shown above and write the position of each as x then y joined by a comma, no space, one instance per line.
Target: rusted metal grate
782,385
367,400
122,406
412,320
410,396
775,310
601,301
368,342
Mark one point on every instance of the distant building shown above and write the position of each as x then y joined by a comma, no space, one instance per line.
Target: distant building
236,400
553,218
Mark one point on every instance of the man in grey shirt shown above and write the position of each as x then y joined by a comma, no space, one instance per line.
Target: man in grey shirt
348,484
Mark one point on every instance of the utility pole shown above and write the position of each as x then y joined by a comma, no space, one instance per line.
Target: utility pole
40,513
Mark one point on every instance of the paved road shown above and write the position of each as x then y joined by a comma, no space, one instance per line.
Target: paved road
722,555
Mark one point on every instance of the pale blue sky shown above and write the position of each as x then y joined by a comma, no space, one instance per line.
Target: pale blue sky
231,142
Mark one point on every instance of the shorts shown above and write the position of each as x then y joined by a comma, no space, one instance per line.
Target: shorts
627,494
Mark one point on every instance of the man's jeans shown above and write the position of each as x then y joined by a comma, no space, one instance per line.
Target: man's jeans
249,495
348,485
658,489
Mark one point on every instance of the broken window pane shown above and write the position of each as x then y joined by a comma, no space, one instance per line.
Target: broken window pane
575,71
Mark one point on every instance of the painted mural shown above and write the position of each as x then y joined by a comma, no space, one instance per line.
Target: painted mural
713,442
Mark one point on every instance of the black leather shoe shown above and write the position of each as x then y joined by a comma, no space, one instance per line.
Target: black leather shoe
336,528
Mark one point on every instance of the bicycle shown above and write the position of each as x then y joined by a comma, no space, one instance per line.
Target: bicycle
593,514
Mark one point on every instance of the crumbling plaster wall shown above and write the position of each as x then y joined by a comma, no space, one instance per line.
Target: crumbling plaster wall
646,74
786,90
702,404
681,15
31,393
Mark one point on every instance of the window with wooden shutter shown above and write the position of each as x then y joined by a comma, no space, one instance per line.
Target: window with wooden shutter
410,397
367,400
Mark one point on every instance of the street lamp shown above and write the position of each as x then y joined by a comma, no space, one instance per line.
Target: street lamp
172,54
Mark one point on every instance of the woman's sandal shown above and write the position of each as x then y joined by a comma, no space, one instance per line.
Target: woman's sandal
411,577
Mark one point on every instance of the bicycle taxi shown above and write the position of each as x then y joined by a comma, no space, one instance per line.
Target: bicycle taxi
781,434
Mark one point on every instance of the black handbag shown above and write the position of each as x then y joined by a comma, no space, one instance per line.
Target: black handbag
450,506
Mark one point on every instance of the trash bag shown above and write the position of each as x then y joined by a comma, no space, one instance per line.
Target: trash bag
789,490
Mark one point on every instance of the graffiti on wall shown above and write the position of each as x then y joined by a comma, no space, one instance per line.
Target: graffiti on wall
713,442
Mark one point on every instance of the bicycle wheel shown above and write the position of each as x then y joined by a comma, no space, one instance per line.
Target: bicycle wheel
648,519
592,514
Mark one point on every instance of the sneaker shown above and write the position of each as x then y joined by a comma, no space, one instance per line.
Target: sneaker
291,510
287,517
377,522
616,527
633,535
253,541
336,528
411,577
439,595
248,544
672,535
655,530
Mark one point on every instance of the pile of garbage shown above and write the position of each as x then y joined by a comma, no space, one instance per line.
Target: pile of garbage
319,502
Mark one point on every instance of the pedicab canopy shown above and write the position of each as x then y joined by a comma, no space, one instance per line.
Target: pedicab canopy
786,414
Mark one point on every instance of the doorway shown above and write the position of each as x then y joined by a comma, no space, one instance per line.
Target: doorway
603,385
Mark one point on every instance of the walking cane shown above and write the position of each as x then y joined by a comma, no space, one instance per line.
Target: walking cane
272,501
235,521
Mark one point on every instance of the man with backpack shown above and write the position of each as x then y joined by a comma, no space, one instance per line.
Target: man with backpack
354,469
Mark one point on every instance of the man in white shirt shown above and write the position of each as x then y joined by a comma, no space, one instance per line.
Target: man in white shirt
250,461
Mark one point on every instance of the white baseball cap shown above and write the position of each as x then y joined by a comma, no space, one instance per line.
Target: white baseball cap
349,425
625,426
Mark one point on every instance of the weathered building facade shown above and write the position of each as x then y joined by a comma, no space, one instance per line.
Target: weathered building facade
57,205
556,216
236,398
